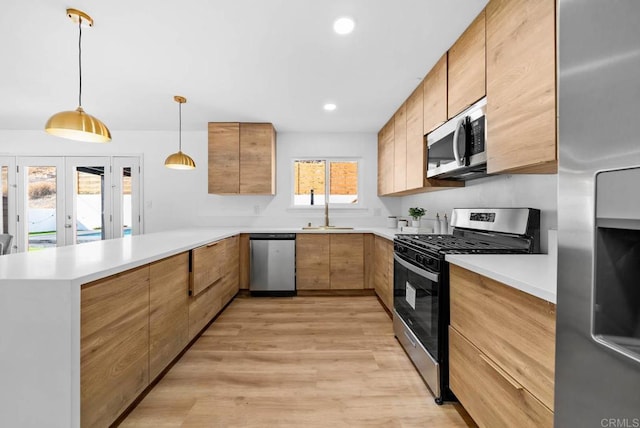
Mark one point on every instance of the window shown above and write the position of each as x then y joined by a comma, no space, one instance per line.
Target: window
313,177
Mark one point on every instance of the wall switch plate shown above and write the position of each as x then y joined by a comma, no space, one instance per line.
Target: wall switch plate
256,209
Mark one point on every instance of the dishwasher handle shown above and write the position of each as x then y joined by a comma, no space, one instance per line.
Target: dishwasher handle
272,236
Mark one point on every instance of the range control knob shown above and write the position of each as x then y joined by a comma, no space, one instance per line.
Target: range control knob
399,248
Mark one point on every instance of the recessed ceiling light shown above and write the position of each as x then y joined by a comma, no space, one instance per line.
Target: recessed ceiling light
343,25
329,107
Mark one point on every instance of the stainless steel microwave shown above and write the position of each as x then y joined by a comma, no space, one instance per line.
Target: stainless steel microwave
457,149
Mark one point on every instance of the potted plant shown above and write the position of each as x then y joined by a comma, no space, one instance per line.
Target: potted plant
416,214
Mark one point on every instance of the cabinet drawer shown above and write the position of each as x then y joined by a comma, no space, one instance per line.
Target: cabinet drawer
513,328
492,397
206,266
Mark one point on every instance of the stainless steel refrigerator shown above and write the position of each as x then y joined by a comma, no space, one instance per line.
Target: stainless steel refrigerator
598,312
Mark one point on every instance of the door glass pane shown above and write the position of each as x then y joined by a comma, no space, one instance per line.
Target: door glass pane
127,214
309,182
41,207
89,203
4,204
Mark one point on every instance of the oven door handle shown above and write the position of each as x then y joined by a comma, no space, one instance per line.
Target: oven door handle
435,277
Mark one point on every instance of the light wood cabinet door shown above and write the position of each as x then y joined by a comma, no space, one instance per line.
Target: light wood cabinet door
114,345
385,158
231,281
369,267
203,307
521,86
168,311
400,150
207,266
383,274
245,267
513,328
415,164
224,158
312,261
466,68
347,261
490,395
257,159
435,96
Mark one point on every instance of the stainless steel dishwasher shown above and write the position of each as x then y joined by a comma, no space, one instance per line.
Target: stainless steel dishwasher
273,264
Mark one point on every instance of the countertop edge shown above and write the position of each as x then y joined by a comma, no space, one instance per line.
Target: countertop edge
520,280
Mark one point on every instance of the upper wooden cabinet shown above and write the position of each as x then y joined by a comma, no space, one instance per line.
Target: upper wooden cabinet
400,149
466,68
242,158
435,96
415,162
385,158
521,86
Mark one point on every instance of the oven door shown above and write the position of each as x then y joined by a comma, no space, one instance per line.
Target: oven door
415,297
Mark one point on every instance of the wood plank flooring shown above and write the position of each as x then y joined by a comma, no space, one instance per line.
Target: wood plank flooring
296,362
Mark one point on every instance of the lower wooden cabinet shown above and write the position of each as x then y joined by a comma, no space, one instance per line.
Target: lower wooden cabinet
114,345
231,279
312,261
135,323
168,311
490,395
206,266
383,270
501,352
330,261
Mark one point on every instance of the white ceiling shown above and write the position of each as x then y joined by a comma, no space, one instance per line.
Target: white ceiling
273,61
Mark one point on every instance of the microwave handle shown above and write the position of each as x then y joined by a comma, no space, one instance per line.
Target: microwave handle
456,153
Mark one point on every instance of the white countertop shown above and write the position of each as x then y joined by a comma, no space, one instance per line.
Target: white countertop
93,260
535,274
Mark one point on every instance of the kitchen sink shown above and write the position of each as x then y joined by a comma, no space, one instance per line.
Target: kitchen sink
326,228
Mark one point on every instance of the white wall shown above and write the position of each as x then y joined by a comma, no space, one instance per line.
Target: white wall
174,199
528,191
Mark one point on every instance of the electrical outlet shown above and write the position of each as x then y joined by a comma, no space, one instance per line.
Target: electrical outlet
256,209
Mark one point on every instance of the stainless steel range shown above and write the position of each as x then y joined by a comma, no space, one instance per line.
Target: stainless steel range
421,280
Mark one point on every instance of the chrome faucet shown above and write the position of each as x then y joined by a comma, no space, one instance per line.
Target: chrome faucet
326,213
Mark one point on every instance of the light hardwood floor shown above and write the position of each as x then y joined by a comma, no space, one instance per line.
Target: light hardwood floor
295,362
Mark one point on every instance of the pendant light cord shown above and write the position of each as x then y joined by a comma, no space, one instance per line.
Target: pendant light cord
80,61
180,128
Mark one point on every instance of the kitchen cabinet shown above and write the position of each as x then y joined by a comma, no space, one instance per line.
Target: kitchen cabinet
386,158
207,266
242,158
415,152
502,346
168,311
400,149
346,261
330,261
231,280
313,261
521,86
114,344
435,96
466,68
245,266
383,271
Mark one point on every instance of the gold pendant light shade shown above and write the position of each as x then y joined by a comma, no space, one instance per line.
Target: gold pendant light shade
179,160
78,125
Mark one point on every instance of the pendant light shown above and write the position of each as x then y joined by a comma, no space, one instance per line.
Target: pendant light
78,125
180,160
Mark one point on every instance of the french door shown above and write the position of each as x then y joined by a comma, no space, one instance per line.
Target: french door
8,201
71,200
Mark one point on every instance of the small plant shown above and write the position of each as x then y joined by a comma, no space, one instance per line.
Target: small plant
417,212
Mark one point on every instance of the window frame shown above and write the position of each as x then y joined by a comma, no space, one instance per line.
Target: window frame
327,159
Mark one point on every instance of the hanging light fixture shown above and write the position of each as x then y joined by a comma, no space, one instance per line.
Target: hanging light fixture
76,124
180,160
